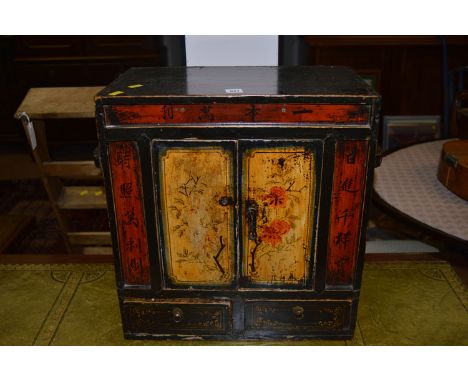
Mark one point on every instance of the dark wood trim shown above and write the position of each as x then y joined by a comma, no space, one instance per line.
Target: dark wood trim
320,41
410,72
74,59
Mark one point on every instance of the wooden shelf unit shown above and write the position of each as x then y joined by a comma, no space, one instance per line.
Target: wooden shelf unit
90,238
72,170
82,198
39,106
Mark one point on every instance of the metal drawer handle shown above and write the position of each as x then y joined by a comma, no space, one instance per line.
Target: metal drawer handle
252,212
177,314
298,312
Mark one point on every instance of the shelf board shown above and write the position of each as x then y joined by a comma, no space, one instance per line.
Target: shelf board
96,251
89,238
72,169
59,102
83,197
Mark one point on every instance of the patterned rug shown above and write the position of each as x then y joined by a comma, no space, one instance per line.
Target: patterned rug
403,303
28,198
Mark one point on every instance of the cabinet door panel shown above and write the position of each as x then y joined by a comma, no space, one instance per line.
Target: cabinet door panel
129,212
198,229
349,181
279,182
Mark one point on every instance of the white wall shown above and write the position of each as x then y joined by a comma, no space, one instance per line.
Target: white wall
231,50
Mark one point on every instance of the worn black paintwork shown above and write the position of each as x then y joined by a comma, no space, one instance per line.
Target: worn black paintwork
262,84
267,83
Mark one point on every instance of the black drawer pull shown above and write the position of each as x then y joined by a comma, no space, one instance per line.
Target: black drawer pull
177,314
226,201
298,312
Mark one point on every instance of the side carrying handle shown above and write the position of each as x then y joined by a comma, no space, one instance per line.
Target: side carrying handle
378,156
252,212
97,157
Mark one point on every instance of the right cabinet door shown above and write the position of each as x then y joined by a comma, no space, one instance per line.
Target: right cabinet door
279,193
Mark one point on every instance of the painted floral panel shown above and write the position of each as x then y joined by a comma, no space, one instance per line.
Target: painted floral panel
198,229
281,181
129,212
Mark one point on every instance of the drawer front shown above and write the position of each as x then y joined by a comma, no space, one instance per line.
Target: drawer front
297,316
222,113
177,317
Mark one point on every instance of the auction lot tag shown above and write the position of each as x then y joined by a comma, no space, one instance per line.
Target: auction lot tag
233,91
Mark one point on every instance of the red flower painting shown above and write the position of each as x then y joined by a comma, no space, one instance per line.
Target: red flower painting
276,198
273,233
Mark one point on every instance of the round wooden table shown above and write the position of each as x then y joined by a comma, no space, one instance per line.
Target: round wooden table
407,182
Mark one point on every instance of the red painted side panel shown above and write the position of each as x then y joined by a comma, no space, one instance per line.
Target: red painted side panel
274,113
128,202
346,210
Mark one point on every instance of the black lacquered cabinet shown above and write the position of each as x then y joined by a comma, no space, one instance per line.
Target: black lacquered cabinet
237,198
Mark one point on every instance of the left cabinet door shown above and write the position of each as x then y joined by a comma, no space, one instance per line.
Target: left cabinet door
196,193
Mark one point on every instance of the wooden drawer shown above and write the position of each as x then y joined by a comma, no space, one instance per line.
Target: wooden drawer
246,112
177,316
297,316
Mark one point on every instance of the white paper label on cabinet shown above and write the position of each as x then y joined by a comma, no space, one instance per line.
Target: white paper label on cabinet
29,130
233,91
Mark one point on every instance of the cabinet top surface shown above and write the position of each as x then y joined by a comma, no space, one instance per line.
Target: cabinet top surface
237,82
